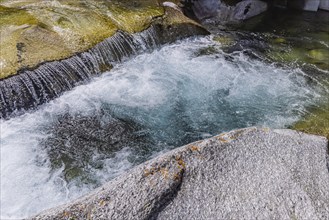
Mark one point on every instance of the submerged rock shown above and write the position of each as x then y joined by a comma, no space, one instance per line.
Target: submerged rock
316,122
243,174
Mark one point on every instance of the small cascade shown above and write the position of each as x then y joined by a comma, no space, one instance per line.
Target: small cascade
30,88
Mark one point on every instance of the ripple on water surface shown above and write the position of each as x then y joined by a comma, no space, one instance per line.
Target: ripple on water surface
155,102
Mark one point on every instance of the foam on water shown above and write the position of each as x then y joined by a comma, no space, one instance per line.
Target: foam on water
177,94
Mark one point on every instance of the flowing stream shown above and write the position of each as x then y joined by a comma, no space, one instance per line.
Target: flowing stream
154,102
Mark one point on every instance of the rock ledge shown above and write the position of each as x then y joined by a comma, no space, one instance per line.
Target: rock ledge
253,173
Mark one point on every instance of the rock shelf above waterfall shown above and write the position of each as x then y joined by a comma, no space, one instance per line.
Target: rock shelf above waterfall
48,48
33,32
243,174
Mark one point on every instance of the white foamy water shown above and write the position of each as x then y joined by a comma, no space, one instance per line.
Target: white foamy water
175,94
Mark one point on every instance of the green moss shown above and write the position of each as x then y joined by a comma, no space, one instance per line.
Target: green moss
206,51
279,40
133,20
316,122
13,16
288,54
319,55
224,40
282,51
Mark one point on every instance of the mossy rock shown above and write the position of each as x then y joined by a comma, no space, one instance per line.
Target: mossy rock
279,40
224,40
174,25
321,55
301,51
317,122
35,31
16,16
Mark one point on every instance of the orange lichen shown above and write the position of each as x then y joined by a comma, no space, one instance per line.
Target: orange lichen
180,162
222,139
177,177
194,148
102,203
66,214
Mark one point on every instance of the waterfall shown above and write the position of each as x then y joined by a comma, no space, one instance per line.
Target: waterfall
30,88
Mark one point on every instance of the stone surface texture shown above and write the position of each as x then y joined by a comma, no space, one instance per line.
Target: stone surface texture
253,173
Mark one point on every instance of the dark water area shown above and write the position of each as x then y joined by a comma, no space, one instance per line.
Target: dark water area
289,22
290,37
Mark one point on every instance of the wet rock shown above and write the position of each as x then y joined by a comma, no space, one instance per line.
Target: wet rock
305,5
315,122
249,8
225,41
226,12
243,174
324,5
299,51
205,8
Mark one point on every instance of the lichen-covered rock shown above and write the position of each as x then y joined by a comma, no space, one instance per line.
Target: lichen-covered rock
244,174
